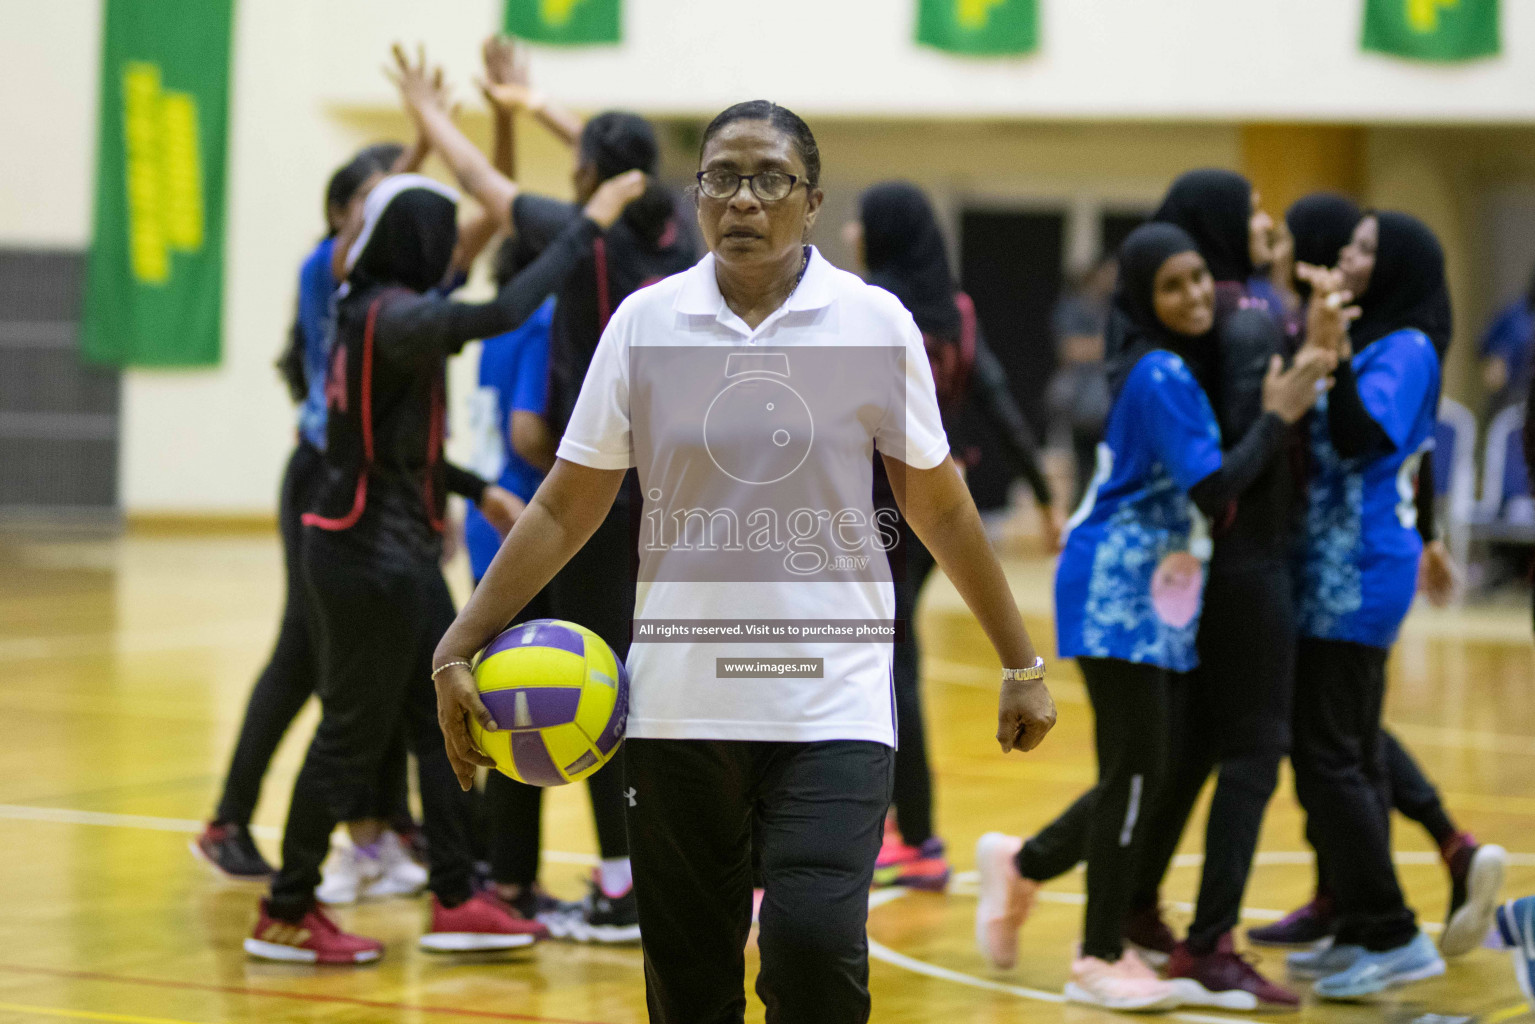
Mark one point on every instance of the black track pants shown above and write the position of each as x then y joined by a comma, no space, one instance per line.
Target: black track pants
913,797
376,627
1131,709
288,679
1339,690
817,811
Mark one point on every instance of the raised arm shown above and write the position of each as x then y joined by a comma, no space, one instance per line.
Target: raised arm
942,514
491,189
565,511
507,87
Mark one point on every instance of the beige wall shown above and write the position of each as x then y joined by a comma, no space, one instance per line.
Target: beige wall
214,440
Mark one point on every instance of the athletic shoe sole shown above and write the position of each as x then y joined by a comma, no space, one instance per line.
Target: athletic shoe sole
567,930
1192,993
294,955
1432,970
1471,923
472,942
992,851
218,869
1077,994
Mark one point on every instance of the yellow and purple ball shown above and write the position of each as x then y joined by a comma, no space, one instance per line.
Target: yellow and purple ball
560,698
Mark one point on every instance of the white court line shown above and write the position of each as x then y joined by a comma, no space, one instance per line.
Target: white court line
879,951
186,826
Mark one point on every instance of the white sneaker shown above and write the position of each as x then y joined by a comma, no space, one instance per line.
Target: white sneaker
398,875
347,874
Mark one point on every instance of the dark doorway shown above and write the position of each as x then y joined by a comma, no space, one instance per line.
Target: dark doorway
1114,225
1010,264
58,416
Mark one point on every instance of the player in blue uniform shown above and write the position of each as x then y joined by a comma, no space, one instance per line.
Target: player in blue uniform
1357,570
1128,596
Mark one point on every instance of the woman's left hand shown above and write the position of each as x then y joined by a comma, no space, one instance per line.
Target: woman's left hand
1025,714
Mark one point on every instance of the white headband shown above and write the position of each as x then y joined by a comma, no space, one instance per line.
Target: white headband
378,201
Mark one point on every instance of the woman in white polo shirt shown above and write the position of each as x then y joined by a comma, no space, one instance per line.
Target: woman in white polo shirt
751,392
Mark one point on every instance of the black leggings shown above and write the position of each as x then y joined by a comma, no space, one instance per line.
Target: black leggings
1131,710
1404,787
513,810
1339,690
376,626
913,796
812,814
1230,713
288,679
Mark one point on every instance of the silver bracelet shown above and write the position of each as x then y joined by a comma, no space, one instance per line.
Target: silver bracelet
1034,671
448,665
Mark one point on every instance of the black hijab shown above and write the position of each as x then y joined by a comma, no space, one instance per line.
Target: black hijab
1407,287
1134,327
409,230
1214,207
1321,224
906,255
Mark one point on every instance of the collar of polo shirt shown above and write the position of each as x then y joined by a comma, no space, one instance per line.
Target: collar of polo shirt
700,292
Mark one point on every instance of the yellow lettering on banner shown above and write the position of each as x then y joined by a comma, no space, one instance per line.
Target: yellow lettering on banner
164,173
556,12
974,14
147,252
182,170
1423,15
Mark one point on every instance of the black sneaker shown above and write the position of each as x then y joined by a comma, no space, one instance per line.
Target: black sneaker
1304,927
229,850
532,902
597,918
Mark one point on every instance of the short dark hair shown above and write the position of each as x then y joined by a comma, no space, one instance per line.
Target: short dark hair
781,118
616,141
368,161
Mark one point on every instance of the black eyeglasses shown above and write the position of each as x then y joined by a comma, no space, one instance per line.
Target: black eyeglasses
768,186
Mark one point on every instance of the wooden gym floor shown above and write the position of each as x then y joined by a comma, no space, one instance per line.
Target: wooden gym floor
124,668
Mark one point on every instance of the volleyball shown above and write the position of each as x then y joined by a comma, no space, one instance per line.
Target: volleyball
560,698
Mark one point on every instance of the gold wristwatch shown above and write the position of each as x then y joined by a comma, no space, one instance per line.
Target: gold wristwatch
1034,671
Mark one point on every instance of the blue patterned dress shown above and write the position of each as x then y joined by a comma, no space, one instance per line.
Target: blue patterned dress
1161,440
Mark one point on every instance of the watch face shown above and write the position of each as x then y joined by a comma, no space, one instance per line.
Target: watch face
758,430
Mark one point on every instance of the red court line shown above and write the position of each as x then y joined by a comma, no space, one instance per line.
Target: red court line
270,993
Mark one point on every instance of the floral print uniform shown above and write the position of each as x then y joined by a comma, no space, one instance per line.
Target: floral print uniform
1161,440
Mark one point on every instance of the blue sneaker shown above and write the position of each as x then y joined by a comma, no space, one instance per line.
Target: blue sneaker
1376,972
1322,962
1516,926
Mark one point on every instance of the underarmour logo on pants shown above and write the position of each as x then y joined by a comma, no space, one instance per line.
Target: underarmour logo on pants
629,796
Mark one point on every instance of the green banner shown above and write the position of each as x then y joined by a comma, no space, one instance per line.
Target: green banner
155,280
1435,30
565,22
980,27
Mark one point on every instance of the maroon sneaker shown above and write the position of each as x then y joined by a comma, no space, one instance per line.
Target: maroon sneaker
313,940
1225,973
1304,927
1148,933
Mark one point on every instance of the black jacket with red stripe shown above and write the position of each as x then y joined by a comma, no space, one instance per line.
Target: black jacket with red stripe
385,481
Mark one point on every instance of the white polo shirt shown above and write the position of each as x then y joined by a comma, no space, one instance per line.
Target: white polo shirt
676,691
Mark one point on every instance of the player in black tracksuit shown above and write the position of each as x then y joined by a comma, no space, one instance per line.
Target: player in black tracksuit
905,254
372,556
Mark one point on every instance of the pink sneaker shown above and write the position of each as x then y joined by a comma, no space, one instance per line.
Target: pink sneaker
1127,984
1006,898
